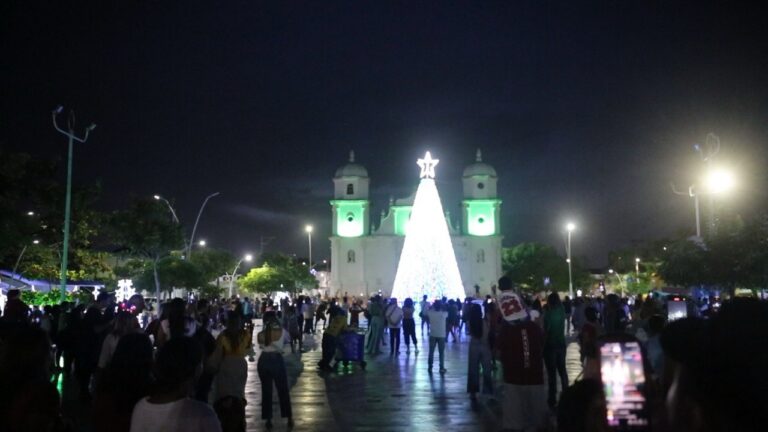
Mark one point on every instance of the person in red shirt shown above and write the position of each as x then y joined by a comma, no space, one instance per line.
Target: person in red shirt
520,348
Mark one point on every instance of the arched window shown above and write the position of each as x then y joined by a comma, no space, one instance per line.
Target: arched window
351,256
481,256
350,189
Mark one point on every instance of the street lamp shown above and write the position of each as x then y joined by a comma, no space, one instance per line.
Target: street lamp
18,260
70,134
621,283
570,226
201,243
716,181
308,229
194,228
637,267
248,258
170,207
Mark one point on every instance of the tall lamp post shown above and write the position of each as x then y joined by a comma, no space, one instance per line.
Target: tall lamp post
570,226
247,257
308,229
70,134
194,228
170,207
621,283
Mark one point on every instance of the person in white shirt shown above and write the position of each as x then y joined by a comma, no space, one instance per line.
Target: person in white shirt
394,317
271,369
169,408
437,317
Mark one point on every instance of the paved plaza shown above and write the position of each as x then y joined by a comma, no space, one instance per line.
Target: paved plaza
392,394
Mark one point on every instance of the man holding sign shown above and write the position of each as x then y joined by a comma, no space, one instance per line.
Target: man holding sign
520,346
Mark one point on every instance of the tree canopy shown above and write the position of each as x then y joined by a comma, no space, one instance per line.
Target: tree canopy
537,267
277,272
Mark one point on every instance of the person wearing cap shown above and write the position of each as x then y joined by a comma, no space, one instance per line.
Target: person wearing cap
520,348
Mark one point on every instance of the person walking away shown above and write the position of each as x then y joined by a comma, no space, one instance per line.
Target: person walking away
228,359
320,315
87,350
568,308
394,317
423,308
126,379
554,346
178,323
519,346
271,368
409,326
169,408
453,318
479,352
465,315
28,400
331,337
291,325
124,324
438,318
375,327
577,314
308,310
354,314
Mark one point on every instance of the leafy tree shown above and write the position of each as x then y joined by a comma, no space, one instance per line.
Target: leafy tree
147,231
213,263
28,184
530,264
278,273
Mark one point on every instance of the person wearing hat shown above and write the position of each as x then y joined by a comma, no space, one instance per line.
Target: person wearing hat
520,349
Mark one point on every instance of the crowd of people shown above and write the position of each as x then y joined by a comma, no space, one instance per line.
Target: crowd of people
185,369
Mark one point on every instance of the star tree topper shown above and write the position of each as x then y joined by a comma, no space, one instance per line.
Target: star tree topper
427,166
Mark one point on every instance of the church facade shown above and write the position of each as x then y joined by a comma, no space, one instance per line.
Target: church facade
365,257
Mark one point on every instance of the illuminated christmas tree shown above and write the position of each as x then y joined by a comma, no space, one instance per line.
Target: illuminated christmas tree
427,263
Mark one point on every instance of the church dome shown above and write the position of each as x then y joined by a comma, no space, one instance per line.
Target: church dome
352,169
479,168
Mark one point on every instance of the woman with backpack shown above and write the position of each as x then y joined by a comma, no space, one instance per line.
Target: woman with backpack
394,317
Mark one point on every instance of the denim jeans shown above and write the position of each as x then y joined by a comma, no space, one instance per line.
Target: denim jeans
409,331
271,368
440,342
554,360
479,355
394,340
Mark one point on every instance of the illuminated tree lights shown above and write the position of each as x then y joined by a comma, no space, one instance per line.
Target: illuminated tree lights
427,263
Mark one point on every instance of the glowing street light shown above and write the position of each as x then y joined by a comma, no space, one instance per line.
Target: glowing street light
308,229
248,258
716,182
170,207
201,243
570,227
637,267
720,181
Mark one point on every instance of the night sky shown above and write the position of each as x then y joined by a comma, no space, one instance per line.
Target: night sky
587,110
